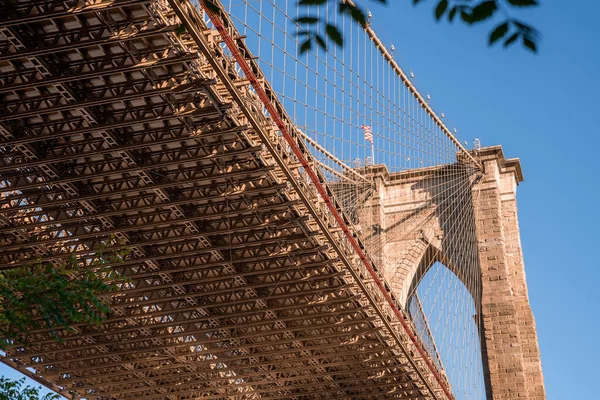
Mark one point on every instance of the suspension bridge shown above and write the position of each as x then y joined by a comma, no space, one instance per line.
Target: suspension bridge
300,225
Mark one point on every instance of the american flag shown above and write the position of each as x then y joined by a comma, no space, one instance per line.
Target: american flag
368,133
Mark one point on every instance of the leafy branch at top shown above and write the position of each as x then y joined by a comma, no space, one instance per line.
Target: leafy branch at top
510,29
314,29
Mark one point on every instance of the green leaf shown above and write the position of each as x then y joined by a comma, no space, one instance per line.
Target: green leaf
334,34
483,11
523,3
511,39
321,42
305,46
452,13
465,16
529,43
312,2
307,20
441,9
356,13
498,33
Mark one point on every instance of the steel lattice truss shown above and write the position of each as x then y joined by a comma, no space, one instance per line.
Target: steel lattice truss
113,125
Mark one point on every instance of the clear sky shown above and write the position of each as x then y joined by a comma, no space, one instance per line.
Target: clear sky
541,108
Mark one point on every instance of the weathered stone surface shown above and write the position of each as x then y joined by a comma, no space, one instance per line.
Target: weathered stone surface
420,220
514,368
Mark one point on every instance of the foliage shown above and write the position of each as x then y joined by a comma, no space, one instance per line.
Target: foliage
15,390
52,296
467,11
49,296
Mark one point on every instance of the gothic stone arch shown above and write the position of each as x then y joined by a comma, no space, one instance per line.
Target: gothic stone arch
477,238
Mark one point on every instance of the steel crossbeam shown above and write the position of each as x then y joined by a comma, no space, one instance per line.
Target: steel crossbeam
27,16
102,66
37,111
75,44
67,218
197,194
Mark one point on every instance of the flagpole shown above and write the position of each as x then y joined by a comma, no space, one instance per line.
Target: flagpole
372,153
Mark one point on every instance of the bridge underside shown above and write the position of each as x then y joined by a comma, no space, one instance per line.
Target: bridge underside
113,125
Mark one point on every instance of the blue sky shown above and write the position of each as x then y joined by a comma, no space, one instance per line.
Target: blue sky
540,108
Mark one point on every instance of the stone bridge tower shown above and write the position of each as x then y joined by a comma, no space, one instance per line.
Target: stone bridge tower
468,222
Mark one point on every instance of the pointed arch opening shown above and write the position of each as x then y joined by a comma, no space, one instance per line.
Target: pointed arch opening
443,303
